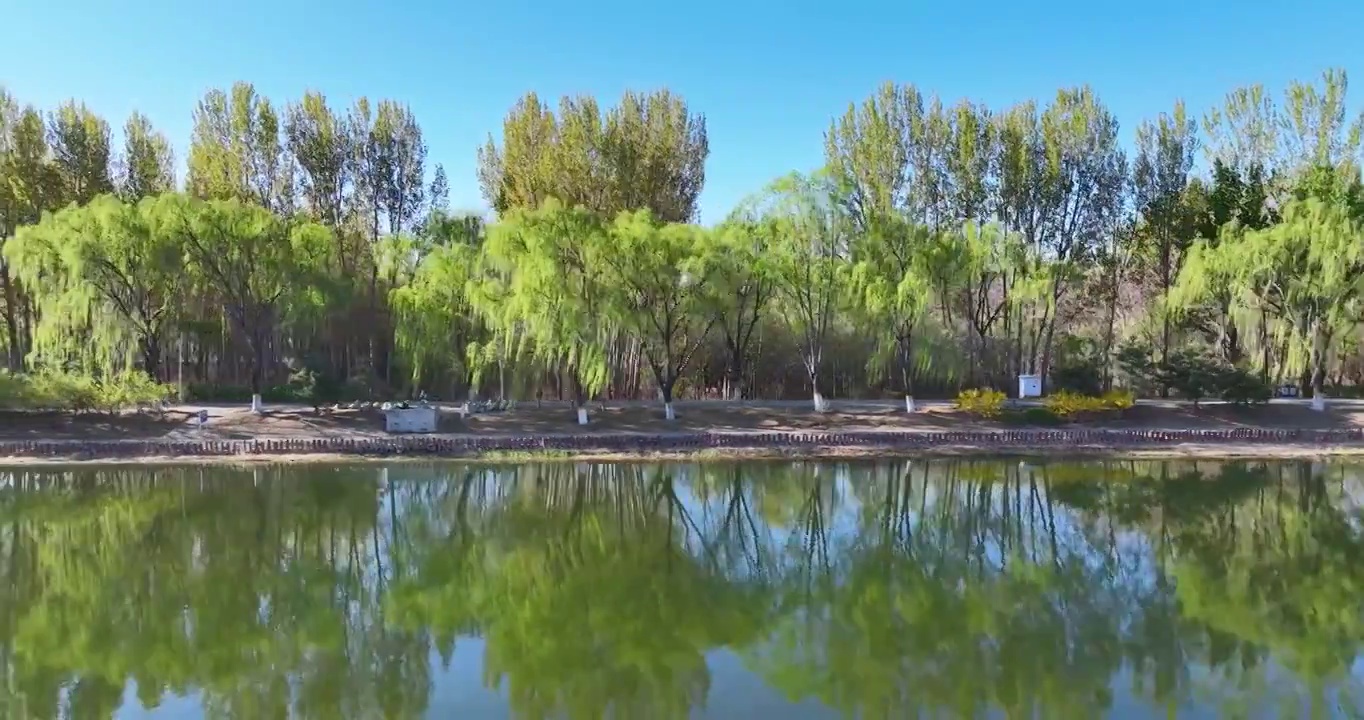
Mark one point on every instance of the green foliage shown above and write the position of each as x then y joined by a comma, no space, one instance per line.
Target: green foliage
1067,404
939,247
981,402
1193,374
540,289
81,393
1243,387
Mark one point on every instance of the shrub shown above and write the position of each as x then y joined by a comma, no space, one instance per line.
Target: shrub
981,401
1119,399
1242,387
1067,403
14,391
62,391
1136,368
1192,374
70,392
1033,416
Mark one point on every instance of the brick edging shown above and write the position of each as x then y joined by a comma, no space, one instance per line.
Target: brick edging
468,445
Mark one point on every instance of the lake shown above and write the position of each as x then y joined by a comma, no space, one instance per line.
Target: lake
931,588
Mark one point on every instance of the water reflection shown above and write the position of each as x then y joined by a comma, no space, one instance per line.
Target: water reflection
930,589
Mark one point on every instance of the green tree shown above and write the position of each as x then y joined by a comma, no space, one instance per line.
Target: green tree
261,267
236,150
81,152
809,260
1309,268
1160,176
541,291
148,163
655,281
104,275
739,289
647,153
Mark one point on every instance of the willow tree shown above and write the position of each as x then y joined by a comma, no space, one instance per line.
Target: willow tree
738,291
1310,269
892,288
809,262
655,280
105,276
540,289
29,185
434,322
260,266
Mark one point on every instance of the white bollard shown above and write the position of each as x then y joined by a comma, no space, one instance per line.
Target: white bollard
582,416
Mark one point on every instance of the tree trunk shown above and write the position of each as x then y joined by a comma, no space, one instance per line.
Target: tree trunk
1318,369
16,348
579,397
820,404
665,388
906,353
151,356
257,347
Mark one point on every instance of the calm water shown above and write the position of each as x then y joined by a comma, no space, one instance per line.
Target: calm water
797,591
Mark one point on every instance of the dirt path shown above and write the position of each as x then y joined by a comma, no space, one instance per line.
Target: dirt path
702,430
238,423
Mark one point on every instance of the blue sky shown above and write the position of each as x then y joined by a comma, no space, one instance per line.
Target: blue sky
769,76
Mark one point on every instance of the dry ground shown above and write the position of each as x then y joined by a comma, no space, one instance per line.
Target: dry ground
238,422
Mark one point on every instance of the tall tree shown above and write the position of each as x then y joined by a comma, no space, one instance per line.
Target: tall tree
148,163
1160,176
812,238
320,142
1082,181
649,153
80,142
31,185
236,150
655,280
540,290
257,263
739,291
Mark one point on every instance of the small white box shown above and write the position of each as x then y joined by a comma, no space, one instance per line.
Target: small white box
410,420
1029,386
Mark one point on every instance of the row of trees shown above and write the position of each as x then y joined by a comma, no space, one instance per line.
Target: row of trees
942,588
939,247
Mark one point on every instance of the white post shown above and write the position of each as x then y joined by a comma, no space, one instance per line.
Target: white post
180,370
909,404
668,411
582,416
255,404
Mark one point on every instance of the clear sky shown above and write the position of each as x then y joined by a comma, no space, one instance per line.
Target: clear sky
769,76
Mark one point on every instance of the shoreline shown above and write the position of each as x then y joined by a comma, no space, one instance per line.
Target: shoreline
699,446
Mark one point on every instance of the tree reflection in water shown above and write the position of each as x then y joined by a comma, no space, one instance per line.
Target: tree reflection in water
945,588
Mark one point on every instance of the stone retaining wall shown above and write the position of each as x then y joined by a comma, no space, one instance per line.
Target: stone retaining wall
467,445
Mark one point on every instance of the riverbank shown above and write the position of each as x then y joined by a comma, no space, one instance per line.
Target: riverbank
1185,451
704,430
706,445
